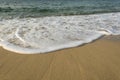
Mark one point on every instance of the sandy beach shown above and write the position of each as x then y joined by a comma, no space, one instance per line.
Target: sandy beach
99,60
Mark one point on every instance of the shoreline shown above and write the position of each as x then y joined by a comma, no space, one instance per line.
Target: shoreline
108,38
93,61
77,31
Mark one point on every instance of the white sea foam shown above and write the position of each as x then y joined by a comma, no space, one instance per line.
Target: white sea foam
40,35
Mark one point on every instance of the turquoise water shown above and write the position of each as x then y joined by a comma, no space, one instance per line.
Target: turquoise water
38,8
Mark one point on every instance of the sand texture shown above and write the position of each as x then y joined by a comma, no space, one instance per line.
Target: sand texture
99,60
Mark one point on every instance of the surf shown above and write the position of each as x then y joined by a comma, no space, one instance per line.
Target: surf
46,34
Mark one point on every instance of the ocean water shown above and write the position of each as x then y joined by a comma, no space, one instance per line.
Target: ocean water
40,26
38,8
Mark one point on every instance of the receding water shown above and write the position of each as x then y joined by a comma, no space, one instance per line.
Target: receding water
39,26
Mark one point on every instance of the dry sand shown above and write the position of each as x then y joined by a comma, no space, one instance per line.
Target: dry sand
99,60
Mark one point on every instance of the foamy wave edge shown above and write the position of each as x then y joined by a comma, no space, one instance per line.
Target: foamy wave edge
46,34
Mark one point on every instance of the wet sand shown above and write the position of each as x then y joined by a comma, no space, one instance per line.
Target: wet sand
99,60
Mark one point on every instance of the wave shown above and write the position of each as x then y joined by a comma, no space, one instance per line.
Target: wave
45,34
25,12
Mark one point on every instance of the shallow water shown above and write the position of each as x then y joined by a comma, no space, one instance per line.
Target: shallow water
45,34
39,26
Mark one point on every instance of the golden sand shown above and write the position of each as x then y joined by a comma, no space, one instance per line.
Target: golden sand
99,60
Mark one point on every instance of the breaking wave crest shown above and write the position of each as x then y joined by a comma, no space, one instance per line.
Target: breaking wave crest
33,12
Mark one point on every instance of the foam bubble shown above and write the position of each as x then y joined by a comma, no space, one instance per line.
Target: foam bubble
45,34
